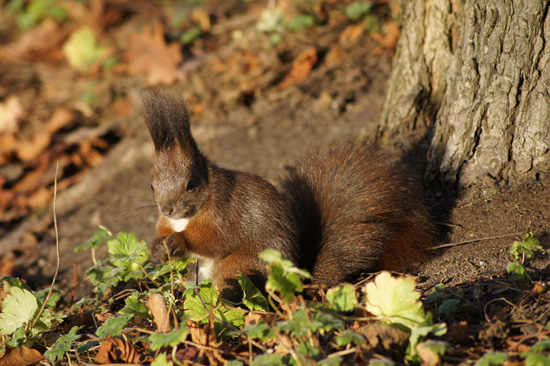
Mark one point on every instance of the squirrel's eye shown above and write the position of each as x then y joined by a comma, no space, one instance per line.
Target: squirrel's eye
152,188
190,185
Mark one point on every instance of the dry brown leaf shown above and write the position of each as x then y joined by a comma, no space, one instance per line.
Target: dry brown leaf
202,18
427,355
255,317
334,55
382,334
21,357
10,112
116,350
8,144
42,42
387,40
39,198
33,179
161,317
351,34
148,53
28,150
60,118
7,266
301,68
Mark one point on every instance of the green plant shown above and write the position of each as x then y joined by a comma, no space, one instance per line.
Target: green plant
522,251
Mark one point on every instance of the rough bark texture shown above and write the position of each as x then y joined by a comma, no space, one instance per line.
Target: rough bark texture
488,97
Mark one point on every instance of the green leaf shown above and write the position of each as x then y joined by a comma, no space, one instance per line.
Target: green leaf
438,347
18,309
63,345
252,297
81,50
268,360
331,361
381,362
161,360
348,337
301,22
395,300
449,307
234,363
285,277
525,248
420,333
259,331
134,306
99,237
113,326
517,270
306,349
170,339
536,359
127,251
190,35
342,298
492,359
357,9
541,345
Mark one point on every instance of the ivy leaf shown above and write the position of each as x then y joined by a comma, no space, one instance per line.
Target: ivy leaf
285,277
18,309
517,270
259,331
127,251
342,298
492,359
172,338
395,301
541,345
63,345
535,359
268,360
81,50
347,337
113,326
135,307
161,360
99,237
525,248
252,297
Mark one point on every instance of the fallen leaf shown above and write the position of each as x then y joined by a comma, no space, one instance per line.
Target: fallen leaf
28,150
427,355
39,198
60,118
334,55
382,334
8,144
301,68
39,43
202,18
20,357
116,350
157,307
387,40
351,34
82,50
32,179
148,53
10,113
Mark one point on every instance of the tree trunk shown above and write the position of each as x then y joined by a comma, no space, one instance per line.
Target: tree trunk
478,73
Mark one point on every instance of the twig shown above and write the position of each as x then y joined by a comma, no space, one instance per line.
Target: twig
56,248
473,241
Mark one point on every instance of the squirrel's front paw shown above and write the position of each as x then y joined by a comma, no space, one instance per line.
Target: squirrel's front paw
162,247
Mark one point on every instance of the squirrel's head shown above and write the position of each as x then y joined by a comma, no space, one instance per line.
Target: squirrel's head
180,173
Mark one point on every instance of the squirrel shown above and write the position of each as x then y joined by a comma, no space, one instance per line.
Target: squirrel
341,212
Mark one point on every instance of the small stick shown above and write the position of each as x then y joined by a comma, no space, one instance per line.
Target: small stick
472,241
56,248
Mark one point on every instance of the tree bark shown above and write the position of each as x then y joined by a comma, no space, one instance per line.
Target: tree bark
478,72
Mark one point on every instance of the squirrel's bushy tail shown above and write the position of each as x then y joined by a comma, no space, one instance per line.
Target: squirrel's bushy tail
357,213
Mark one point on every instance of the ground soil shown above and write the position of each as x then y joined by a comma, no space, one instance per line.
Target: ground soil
262,133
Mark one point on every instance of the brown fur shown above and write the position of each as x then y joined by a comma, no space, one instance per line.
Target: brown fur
342,211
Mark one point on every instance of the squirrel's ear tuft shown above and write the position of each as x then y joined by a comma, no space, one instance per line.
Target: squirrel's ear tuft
165,114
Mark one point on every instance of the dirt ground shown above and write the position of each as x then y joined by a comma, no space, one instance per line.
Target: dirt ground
262,132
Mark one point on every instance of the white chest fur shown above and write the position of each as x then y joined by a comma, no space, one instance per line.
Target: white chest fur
206,265
178,225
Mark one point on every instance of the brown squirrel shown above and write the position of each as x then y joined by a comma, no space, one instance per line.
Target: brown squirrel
342,212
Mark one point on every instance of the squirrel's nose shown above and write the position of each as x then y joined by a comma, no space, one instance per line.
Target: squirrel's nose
167,211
